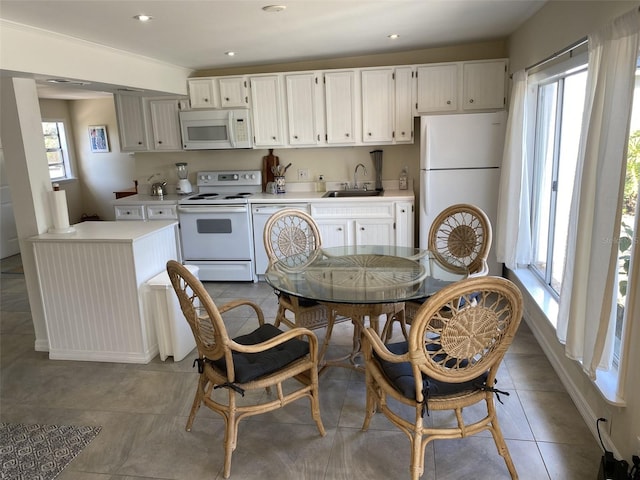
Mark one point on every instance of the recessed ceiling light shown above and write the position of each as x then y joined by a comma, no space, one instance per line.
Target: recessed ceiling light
230,54
393,36
143,18
274,8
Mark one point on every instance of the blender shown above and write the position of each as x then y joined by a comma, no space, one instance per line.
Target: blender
184,186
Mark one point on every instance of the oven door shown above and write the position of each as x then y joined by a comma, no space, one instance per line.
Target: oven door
215,232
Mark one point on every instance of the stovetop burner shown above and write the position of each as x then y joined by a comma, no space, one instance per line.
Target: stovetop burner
203,196
220,187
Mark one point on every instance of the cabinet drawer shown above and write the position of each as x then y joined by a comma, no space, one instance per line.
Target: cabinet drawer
352,210
162,212
130,212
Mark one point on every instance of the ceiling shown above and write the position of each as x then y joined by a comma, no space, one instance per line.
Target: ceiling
196,34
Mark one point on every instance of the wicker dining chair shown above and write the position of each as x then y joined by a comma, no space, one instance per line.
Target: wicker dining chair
293,235
263,358
449,362
460,239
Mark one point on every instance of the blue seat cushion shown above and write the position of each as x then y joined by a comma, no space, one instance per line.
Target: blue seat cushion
401,376
250,366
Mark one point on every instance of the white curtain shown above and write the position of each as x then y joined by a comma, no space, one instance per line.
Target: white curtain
513,229
587,297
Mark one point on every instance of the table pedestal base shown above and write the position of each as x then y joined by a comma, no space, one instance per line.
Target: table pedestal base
357,313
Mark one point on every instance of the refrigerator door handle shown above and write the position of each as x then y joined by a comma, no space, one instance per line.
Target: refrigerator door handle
424,190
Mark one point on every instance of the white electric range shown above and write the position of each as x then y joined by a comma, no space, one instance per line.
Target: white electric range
215,225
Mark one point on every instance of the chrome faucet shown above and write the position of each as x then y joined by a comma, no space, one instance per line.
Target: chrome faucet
355,175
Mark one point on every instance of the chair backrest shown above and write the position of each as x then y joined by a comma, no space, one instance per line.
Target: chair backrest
291,234
201,313
462,233
464,330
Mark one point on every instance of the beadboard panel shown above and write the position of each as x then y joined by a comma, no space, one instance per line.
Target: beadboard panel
93,296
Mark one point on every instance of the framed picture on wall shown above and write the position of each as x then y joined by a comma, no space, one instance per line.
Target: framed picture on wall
98,138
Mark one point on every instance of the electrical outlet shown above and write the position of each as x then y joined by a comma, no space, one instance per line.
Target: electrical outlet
303,174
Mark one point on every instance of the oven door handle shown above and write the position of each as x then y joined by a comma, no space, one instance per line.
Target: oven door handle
213,209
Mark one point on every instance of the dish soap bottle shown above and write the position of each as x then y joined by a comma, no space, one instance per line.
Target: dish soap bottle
404,179
321,185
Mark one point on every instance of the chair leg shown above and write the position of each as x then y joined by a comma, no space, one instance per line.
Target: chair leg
197,401
230,434
315,401
327,337
416,467
498,438
371,400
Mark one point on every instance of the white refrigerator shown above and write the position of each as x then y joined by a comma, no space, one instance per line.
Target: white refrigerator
460,159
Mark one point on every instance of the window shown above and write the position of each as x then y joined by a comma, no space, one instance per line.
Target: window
628,221
559,99
559,108
55,142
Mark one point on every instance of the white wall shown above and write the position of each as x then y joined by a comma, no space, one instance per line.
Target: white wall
101,173
26,49
557,25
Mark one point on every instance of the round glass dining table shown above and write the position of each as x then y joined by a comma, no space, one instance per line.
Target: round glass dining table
363,282
364,274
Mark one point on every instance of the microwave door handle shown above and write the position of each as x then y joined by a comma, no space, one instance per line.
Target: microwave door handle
232,138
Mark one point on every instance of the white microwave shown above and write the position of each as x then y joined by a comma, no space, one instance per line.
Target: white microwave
215,129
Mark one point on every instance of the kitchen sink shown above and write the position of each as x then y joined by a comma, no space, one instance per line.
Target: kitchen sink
352,193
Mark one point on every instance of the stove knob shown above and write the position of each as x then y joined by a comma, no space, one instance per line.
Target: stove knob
235,176
246,175
253,176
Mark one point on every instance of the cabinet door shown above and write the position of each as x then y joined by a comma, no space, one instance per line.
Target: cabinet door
404,224
483,85
203,93
233,92
165,123
340,107
334,232
377,89
266,105
303,117
403,130
437,88
132,128
374,231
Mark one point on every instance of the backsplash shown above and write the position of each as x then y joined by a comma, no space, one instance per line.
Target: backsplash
336,164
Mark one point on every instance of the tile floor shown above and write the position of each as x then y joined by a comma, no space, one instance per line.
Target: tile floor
143,411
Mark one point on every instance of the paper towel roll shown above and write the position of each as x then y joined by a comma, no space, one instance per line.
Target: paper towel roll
59,212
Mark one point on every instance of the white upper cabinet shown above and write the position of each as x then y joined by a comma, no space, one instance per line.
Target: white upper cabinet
340,107
132,125
233,92
165,124
203,93
437,88
378,100
267,110
484,85
461,86
404,88
305,112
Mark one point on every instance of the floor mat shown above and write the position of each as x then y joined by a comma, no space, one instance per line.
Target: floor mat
40,452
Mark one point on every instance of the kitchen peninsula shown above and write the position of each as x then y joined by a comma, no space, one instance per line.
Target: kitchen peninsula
93,284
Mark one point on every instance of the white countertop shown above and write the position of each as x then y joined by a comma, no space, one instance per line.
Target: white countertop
107,231
140,198
261,198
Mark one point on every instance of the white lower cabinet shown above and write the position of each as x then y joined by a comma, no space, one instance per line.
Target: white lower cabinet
355,223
